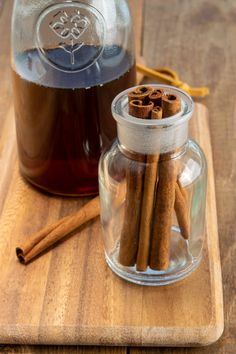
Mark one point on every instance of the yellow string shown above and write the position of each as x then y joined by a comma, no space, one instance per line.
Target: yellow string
170,77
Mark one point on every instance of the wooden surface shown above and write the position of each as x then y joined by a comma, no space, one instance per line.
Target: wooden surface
70,296
137,11
197,39
20,349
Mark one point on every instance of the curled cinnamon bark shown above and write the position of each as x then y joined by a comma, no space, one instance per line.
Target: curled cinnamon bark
171,105
157,113
42,240
140,93
139,109
156,97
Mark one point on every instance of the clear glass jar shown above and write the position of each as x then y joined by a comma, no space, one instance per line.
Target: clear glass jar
69,60
134,249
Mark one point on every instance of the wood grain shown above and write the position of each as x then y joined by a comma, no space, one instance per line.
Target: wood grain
5,99
9,151
198,40
137,9
39,349
70,296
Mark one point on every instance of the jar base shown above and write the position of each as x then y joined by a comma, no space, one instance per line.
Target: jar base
151,277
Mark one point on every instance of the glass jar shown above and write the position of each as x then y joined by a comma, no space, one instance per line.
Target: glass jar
153,237
69,60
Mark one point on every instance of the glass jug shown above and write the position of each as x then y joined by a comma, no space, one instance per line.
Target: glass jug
69,60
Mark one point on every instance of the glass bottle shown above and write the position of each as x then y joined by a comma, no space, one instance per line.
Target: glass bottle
181,166
69,60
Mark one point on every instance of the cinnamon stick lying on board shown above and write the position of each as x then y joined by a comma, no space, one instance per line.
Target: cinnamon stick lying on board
51,234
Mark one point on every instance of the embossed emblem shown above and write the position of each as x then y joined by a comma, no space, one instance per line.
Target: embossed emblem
70,28
70,36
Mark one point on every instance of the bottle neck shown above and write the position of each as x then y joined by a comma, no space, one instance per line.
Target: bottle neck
132,155
146,140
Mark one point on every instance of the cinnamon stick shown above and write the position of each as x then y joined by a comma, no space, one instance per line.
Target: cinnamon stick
150,181
156,97
157,113
130,230
165,199
181,209
51,234
140,93
134,179
139,109
171,105
162,219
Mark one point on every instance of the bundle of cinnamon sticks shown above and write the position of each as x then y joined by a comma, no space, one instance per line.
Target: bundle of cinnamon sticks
153,192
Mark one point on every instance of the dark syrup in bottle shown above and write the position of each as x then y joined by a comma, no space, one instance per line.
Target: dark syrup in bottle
62,127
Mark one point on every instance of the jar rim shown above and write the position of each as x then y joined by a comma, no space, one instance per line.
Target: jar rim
120,108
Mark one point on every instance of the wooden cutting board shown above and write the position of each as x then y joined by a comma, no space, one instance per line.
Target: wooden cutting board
70,296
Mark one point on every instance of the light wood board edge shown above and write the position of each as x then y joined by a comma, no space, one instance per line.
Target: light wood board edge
215,329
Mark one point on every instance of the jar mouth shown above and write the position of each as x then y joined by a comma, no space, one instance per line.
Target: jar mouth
121,115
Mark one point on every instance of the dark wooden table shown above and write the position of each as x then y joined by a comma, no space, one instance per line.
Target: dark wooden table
196,38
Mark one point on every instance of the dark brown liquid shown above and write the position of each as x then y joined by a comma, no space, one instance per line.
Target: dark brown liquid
61,132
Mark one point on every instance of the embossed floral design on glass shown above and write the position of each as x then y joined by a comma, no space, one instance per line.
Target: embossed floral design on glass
70,27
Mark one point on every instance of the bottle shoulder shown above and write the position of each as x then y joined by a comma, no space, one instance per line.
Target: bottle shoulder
194,151
192,164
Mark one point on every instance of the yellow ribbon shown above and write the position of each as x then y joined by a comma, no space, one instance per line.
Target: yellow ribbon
170,77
